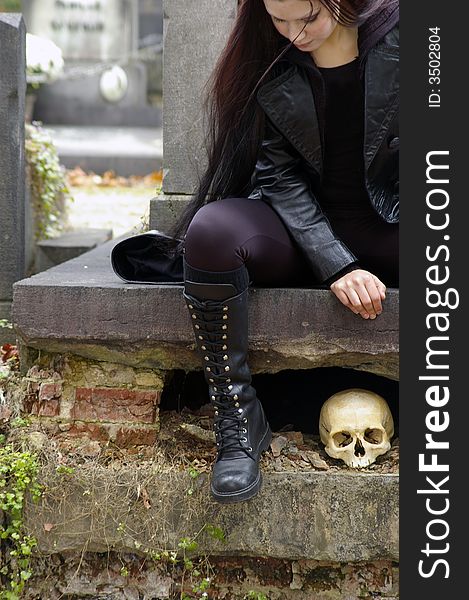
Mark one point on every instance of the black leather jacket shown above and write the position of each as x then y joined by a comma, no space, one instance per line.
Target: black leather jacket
290,162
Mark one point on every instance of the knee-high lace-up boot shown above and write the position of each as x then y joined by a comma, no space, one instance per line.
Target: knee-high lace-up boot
218,305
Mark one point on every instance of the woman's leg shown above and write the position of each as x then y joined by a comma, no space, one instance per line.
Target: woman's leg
228,243
229,233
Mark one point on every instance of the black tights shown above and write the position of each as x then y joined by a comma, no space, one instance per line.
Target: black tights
231,232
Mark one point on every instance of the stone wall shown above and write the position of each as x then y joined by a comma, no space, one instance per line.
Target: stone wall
129,577
98,401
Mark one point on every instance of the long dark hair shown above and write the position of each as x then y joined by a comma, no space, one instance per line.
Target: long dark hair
234,120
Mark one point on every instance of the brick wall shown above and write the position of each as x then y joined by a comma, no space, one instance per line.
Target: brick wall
97,400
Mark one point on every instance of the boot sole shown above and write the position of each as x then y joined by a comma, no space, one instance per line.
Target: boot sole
250,491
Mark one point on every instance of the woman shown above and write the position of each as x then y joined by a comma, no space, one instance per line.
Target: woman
301,189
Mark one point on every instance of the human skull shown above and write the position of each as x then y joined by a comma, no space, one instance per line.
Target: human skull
356,426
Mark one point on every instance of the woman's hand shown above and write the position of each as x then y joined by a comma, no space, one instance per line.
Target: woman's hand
361,292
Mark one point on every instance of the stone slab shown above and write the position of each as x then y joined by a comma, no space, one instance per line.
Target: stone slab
12,173
81,306
57,250
76,99
343,517
188,60
165,210
124,150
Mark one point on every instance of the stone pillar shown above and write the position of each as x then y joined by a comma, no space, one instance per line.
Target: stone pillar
12,177
194,34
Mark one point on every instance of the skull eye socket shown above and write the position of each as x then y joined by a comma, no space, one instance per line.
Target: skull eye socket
342,439
373,436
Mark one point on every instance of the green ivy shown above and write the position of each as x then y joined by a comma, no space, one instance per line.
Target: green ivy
10,5
252,595
18,473
49,190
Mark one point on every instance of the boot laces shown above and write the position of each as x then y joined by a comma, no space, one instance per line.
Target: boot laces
211,318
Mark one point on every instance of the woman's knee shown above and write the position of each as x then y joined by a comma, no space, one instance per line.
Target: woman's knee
212,237
208,226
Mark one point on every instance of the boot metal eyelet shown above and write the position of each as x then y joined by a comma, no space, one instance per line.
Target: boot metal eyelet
225,308
194,316
206,358
208,369
200,337
225,317
212,380
227,368
240,410
214,397
243,439
225,357
190,306
197,326
228,380
244,430
204,347
236,404
215,389
245,420
236,397
230,387
225,347
249,448
224,337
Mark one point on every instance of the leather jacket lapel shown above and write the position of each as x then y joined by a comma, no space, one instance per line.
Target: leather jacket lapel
289,102
280,100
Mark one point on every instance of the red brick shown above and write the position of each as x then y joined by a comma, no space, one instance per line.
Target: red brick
47,391
46,408
135,436
115,405
92,431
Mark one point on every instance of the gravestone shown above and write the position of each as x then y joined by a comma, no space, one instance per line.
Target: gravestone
195,32
85,30
94,36
12,176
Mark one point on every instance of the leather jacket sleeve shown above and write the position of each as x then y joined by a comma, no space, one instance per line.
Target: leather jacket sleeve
280,180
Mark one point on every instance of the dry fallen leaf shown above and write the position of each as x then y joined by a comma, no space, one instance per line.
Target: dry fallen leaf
146,498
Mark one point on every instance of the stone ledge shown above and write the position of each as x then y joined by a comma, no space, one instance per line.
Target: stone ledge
343,517
82,307
165,209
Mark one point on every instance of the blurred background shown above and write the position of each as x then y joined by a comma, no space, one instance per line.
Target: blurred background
93,121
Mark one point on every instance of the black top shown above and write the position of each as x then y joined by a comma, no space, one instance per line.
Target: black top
343,185
343,194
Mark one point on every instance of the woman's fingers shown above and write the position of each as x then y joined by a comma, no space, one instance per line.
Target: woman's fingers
381,287
361,292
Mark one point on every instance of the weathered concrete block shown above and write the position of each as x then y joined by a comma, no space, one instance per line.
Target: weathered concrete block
122,576
195,32
83,308
12,175
343,517
165,210
70,244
